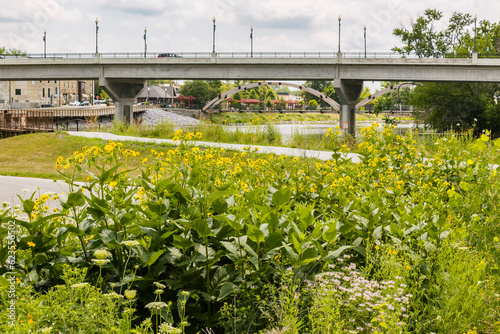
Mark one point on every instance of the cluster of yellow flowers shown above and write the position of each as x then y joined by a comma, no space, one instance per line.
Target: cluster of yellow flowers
186,135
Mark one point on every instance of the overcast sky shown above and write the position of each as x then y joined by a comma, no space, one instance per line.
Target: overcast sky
186,25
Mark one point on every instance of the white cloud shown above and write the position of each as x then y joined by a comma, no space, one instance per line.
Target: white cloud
186,25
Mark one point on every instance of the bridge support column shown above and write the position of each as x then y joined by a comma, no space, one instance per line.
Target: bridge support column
123,93
348,91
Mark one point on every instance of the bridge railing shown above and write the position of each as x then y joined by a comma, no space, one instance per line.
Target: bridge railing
236,55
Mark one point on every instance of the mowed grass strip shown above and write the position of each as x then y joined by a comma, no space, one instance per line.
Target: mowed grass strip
35,155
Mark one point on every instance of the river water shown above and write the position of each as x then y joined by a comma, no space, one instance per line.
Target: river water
287,130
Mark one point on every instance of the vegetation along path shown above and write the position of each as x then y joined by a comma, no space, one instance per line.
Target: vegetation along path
322,155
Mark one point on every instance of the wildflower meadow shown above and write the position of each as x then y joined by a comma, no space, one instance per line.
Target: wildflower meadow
202,240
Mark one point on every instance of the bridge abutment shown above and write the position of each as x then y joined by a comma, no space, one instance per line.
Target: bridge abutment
348,91
124,93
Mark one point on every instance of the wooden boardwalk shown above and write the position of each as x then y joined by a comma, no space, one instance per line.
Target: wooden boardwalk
14,122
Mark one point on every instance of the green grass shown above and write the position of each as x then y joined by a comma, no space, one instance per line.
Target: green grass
35,155
257,118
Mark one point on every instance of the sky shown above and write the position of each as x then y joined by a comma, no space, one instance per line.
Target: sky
187,25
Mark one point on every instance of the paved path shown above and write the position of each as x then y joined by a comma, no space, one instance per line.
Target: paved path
295,152
11,186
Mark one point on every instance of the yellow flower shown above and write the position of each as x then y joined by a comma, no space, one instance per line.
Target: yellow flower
112,184
377,247
31,244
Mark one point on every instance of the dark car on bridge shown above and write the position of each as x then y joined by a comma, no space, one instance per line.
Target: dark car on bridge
168,55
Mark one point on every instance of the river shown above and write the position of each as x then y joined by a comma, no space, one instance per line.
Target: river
287,130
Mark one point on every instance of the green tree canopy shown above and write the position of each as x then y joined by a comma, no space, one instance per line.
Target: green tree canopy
11,52
203,91
443,105
325,87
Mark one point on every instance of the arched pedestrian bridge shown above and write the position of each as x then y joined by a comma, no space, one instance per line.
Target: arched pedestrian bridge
334,104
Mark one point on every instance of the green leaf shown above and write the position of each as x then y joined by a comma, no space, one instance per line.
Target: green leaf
75,199
255,234
335,254
377,232
227,289
281,197
181,242
153,258
201,226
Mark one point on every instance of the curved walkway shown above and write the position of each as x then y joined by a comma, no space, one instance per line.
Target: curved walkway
294,152
11,186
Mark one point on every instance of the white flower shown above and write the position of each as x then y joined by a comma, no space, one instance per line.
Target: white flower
130,294
130,243
100,262
80,285
101,254
159,285
156,305
166,328
26,190
46,330
113,295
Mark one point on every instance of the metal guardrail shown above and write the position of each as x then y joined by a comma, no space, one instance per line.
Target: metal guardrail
235,55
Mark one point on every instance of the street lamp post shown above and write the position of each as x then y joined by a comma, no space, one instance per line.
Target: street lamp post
339,31
45,44
251,42
148,95
145,42
365,38
487,42
96,36
213,50
475,33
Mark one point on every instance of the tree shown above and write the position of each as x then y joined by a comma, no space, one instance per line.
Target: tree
312,105
325,87
11,52
421,37
161,82
364,94
199,89
443,105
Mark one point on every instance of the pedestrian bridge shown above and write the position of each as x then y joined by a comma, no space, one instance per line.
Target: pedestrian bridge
124,76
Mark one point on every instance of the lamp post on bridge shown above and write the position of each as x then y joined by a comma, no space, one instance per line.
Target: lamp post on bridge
364,28
251,42
475,33
96,36
487,42
213,49
339,31
145,42
45,44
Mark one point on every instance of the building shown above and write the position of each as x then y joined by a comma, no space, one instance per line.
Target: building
163,94
33,94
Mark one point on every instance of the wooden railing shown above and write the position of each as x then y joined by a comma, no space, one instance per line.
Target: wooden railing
43,120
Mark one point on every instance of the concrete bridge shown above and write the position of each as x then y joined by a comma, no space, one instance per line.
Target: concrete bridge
124,77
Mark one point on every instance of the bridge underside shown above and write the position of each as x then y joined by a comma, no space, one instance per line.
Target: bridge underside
348,91
124,92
